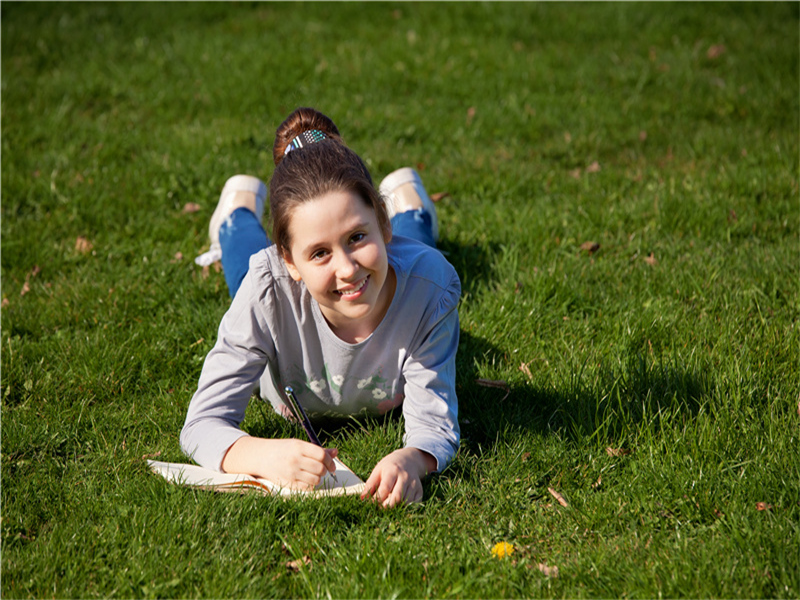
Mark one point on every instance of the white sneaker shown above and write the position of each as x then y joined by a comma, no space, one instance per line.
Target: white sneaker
230,200
402,190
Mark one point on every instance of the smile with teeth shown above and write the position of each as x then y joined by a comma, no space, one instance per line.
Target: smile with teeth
355,290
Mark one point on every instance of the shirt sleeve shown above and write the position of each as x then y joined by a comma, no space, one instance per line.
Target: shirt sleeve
430,408
229,376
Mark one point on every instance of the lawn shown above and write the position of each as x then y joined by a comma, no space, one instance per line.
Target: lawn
621,204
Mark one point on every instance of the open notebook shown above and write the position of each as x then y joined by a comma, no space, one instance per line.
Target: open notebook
346,481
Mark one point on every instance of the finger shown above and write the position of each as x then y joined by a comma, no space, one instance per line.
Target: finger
313,468
330,454
299,480
316,459
314,452
389,483
394,499
407,491
302,484
371,485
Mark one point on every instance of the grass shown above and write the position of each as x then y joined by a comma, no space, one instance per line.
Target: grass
653,383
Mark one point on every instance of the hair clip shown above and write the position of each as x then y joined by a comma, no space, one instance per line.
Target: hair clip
304,139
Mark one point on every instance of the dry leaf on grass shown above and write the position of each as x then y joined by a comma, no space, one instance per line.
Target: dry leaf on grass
178,257
295,565
558,497
525,369
590,247
83,245
26,287
191,207
5,302
492,383
597,484
153,455
439,196
217,266
575,173
716,51
763,506
651,260
470,114
617,451
547,570
593,168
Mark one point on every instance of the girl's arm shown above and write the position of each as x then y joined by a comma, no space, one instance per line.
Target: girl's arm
430,409
229,376
211,435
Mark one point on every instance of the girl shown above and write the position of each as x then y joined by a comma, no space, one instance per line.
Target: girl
349,304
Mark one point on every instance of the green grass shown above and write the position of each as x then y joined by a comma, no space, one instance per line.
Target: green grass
677,340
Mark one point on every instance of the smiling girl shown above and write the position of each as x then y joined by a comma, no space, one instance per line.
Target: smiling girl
349,303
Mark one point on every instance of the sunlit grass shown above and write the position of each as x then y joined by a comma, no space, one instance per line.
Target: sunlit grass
622,211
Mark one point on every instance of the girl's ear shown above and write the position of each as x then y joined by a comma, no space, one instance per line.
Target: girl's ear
290,266
386,228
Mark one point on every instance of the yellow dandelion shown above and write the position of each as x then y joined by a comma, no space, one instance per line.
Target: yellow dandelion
502,549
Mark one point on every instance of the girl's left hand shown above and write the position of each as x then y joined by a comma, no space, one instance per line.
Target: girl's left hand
397,478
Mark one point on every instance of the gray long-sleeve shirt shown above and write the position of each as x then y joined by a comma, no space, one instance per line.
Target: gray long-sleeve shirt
275,335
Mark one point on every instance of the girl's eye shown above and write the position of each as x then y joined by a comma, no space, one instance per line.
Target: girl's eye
358,237
318,255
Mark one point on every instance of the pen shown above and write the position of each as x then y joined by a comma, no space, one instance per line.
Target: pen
302,417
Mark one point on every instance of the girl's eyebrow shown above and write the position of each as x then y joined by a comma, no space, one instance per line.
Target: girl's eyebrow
361,225
313,246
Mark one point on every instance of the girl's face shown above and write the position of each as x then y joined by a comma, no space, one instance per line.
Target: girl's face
338,250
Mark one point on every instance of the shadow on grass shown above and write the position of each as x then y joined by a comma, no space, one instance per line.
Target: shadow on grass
472,262
617,408
616,405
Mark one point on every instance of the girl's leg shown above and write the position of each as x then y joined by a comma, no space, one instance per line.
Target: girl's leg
240,236
415,224
235,229
411,210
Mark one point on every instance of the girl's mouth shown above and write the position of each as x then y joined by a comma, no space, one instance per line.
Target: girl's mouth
352,293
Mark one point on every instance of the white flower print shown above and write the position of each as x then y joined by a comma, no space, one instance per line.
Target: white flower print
317,385
338,380
362,383
378,394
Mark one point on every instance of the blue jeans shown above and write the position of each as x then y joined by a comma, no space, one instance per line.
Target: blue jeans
242,235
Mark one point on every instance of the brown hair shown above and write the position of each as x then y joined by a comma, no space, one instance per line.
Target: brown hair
315,170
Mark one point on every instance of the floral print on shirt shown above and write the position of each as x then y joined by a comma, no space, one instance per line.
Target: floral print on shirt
374,391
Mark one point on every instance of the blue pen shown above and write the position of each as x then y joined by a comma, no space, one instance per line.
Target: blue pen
302,417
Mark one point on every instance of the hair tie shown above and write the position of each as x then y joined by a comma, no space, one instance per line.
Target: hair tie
305,139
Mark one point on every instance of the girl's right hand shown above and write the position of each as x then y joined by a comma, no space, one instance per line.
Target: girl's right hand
292,463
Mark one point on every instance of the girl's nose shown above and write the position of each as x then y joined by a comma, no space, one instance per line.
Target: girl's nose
346,266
